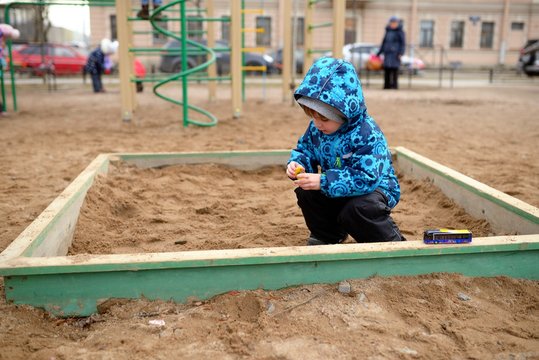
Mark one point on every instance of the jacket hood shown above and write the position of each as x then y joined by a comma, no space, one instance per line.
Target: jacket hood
335,82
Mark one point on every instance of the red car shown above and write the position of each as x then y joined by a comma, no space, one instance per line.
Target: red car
36,58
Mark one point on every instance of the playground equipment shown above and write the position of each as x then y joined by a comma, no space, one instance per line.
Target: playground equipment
188,47
339,7
237,49
157,16
126,51
37,271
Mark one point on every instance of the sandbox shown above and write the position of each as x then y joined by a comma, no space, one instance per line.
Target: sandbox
38,272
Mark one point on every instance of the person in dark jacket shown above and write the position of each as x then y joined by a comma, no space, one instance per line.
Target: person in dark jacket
357,186
393,47
95,65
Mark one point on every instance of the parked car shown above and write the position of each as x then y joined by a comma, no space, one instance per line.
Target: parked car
528,62
173,63
278,58
38,58
359,53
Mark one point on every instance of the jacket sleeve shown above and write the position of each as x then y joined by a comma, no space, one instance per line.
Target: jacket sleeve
303,154
402,43
381,51
361,175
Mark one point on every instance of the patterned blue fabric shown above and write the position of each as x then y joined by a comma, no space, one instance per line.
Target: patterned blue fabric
96,62
355,160
393,47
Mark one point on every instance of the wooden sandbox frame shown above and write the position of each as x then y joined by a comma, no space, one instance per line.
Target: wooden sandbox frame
37,271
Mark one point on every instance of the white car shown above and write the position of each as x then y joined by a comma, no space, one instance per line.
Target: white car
359,53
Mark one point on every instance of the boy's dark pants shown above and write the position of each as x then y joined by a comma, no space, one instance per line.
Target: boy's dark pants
366,218
96,83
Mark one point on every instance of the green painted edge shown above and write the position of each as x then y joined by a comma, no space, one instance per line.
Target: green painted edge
78,294
517,211
266,259
69,201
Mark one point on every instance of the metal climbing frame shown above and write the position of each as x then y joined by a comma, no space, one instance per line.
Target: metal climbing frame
188,47
339,7
244,66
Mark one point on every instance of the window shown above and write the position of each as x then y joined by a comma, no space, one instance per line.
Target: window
35,50
426,33
194,28
487,35
300,30
518,26
350,30
63,52
225,28
113,30
264,38
457,34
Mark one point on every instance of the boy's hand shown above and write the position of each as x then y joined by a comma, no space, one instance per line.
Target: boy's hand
292,168
308,181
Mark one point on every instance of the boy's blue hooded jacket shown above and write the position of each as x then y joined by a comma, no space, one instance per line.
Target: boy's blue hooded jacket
355,160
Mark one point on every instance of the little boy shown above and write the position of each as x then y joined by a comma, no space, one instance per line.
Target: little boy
357,188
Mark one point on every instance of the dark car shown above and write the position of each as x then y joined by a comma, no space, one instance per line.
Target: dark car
528,62
173,63
278,58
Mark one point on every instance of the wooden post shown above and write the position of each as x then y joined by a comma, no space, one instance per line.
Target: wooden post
125,60
287,48
212,69
308,37
339,8
235,56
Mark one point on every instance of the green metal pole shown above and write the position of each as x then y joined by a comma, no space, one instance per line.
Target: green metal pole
242,53
184,66
3,89
11,67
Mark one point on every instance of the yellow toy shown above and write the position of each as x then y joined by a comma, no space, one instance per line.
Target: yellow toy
299,170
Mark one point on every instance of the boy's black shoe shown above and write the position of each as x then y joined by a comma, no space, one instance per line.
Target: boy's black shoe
144,13
312,241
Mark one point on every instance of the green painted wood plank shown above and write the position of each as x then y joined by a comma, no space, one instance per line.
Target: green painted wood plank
217,258
465,185
77,294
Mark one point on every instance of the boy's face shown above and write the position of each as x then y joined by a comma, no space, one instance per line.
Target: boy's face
321,122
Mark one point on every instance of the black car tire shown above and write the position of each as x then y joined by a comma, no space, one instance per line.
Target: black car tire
177,66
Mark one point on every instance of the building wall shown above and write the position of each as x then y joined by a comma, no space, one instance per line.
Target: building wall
370,17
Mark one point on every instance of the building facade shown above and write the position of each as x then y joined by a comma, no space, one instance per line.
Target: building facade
473,32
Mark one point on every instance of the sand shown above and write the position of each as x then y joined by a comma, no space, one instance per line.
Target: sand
383,318
489,133
208,207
